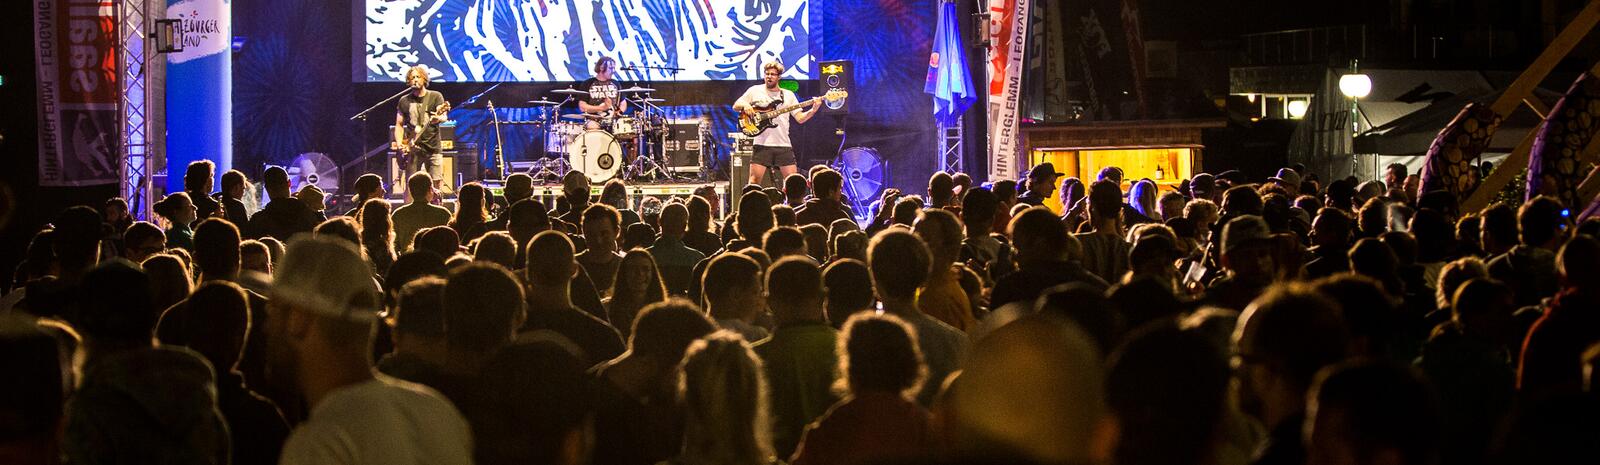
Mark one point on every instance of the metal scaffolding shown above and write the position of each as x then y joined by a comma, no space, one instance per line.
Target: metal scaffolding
139,110
950,148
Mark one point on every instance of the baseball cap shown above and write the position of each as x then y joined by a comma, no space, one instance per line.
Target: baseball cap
1244,231
328,277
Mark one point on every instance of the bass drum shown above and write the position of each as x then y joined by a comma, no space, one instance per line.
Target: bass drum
596,154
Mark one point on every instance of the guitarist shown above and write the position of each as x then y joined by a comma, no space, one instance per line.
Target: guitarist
772,147
416,127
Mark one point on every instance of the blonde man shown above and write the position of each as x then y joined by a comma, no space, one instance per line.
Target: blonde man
772,147
416,121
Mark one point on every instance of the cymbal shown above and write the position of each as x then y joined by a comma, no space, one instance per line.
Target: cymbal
543,102
637,89
652,100
570,92
582,116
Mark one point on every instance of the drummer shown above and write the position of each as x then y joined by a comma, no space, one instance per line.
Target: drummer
604,101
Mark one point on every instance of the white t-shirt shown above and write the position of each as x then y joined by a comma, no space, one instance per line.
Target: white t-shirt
381,422
758,95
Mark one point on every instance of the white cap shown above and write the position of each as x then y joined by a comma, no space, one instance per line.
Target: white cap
326,276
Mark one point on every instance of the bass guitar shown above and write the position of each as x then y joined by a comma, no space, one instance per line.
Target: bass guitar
763,119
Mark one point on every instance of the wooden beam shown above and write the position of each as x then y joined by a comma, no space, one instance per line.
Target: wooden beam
1552,55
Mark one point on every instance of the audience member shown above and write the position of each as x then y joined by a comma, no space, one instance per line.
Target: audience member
1247,261
900,265
799,356
320,329
197,182
215,322
1043,260
1105,253
536,405
722,390
496,247
1054,414
179,212
472,212
701,235
881,372
137,401
638,420
942,297
1041,184
1529,266
601,259
1570,325
825,206
849,290
1159,424
285,215
419,214
417,321
1284,338
1372,412
377,234
638,284
549,273
733,294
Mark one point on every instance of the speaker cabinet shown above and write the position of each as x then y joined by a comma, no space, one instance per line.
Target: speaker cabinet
837,75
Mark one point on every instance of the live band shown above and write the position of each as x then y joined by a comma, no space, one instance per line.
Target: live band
602,142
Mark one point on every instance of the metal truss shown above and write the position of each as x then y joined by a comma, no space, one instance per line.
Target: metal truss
950,148
139,108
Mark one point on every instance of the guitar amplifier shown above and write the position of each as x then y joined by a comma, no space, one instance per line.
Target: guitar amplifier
685,145
744,148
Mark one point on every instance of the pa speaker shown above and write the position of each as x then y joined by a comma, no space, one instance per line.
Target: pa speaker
837,75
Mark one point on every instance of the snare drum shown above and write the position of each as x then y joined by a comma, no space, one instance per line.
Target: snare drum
595,154
625,128
560,135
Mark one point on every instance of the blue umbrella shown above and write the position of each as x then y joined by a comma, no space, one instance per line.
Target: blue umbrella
948,79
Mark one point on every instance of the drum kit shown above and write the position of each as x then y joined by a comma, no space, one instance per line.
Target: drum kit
604,146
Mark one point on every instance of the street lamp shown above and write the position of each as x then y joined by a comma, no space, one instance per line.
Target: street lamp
1356,86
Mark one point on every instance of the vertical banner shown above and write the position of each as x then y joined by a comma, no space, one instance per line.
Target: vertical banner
1008,28
200,88
75,43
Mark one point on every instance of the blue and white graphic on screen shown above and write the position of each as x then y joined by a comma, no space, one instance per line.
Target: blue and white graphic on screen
559,40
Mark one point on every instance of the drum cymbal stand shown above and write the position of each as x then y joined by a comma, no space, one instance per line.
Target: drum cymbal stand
557,167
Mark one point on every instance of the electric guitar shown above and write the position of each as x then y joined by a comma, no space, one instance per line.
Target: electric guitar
754,125
416,131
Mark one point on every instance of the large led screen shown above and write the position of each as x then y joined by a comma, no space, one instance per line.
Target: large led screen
558,40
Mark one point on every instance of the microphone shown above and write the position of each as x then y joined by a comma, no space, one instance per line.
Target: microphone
628,68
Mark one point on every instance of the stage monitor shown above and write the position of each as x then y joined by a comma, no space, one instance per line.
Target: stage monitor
558,40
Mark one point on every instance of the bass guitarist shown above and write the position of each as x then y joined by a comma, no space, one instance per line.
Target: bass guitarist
416,127
772,147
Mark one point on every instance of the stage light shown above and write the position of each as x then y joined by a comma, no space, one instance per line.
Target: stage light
1355,85
1297,108
1250,97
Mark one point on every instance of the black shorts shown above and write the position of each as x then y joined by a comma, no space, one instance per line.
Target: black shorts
773,156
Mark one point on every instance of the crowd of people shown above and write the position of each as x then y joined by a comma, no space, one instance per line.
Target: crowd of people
1222,320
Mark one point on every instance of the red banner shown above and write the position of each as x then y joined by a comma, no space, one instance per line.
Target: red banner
1008,31
75,43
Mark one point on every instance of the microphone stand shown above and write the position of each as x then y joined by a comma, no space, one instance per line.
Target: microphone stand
362,117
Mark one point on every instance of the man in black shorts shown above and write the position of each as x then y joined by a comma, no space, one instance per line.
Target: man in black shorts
772,147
